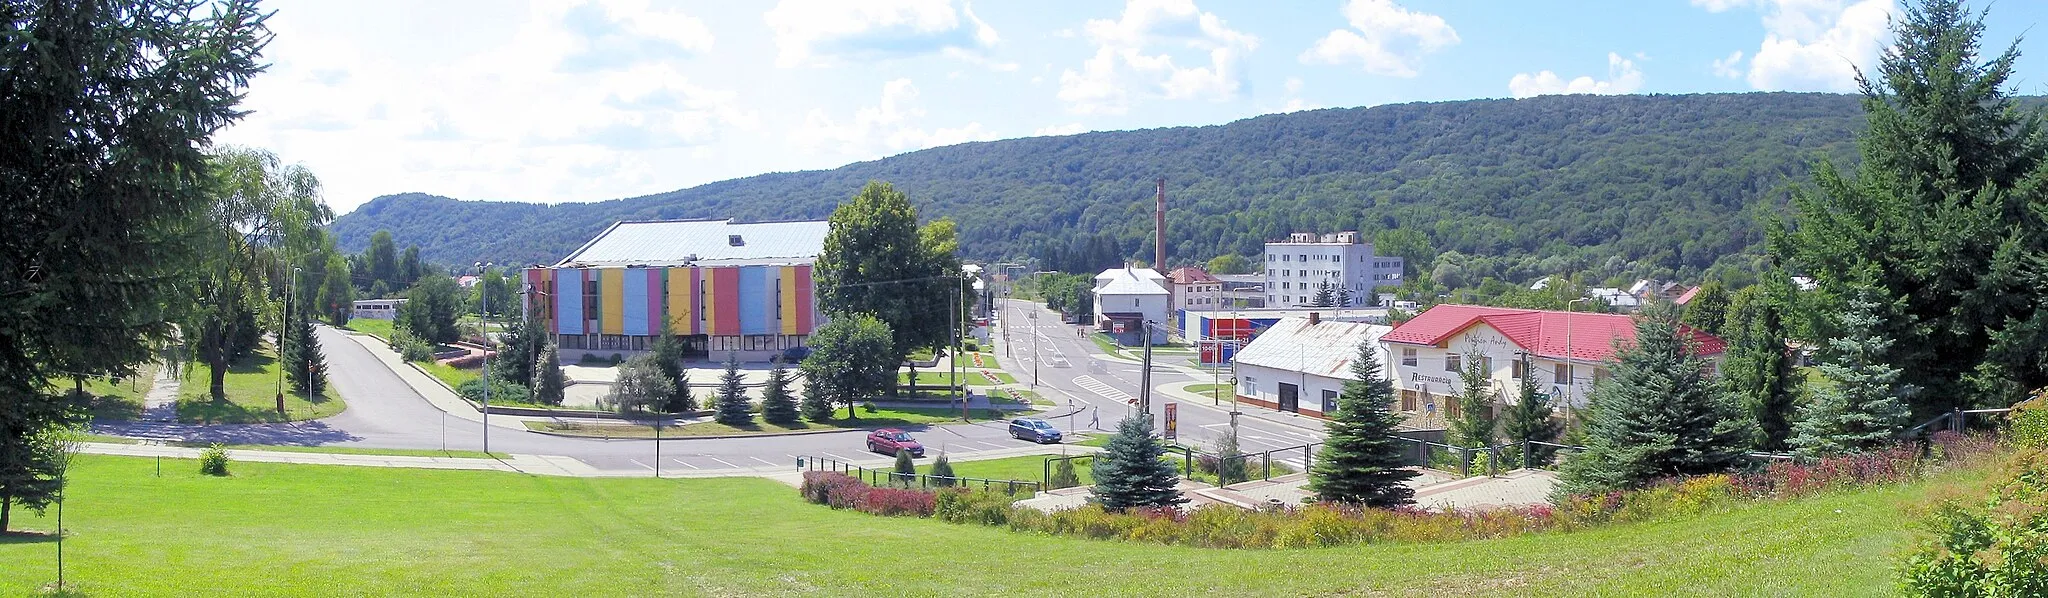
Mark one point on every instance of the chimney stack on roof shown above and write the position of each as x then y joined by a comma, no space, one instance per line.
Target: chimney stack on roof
1159,230
1314,318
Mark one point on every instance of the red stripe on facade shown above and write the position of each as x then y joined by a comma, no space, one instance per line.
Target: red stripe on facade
725,284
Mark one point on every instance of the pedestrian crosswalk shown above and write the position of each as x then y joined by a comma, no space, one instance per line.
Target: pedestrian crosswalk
1090,384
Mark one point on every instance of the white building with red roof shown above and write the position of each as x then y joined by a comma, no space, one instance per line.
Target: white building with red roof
1567,351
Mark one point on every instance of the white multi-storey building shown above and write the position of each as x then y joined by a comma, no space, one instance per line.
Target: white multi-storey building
1300,267
1127,300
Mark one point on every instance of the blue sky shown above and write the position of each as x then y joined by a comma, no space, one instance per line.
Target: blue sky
570,101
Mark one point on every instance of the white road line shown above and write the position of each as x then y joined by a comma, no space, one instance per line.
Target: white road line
792,458
1262,440
644,465
1090,384
839,457
1303,435
686,464
728,464
1213,426
771,463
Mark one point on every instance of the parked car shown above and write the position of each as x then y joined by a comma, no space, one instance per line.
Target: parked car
889,440
1035,430
791,355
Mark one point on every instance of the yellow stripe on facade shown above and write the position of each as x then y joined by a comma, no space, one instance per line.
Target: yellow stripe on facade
709,314
681,302
788,295
612,291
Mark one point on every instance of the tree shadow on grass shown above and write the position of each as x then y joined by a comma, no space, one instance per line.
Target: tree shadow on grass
26,537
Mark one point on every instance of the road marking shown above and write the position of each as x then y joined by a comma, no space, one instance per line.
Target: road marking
644,465
686,464
1264,441
1090,384
771,463
839,457
1287,431
728,464
1213,426
792,458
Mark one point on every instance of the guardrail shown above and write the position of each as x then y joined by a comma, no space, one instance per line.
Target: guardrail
889,477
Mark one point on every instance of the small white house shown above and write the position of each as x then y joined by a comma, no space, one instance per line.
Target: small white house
1299,365
376,309
1126,299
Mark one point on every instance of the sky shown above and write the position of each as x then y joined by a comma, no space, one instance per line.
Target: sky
557,101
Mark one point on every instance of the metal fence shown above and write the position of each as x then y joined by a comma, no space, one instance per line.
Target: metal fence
1955,420
1260,465
875,476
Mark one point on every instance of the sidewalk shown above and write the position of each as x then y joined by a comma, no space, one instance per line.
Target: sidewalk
427,386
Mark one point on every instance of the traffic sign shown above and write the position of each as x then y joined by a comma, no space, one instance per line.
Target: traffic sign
1172,420
1117,326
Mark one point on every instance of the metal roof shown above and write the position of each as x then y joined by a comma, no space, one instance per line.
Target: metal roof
702,242
1325,349
1129,281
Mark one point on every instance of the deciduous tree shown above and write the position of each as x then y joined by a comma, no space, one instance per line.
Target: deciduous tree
549,382
431,308
877,261
851,360
640,387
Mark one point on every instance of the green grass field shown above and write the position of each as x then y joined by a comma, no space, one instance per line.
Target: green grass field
275,529
881,417
971,377
353,450
373,327
449,375
251,385
1219,392
1029,468
115,399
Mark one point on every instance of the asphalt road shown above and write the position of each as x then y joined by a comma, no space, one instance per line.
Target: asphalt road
384,412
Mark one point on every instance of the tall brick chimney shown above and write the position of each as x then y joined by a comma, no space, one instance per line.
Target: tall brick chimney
1159,230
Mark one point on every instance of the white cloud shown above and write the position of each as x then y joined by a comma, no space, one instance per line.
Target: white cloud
828,32
1730,67
1622,77
1122,66
1384,38
1066,129
612,33
1812,45
888,127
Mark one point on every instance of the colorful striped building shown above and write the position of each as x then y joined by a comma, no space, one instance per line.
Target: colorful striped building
723,287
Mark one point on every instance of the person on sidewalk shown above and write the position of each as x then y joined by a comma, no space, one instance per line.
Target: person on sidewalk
1095,418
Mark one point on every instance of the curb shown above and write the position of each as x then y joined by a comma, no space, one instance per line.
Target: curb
669,438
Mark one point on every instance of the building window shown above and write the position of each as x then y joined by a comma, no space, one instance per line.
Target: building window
1562,374
1486,365
1454,362
1286,258
1451,407
1337,258
1408,358
1408,400
1515,369
1134,302
1329,402
1251,387
1303,258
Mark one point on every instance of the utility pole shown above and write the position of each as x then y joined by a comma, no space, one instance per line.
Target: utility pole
484,326
1571,378
1034,347
1145,374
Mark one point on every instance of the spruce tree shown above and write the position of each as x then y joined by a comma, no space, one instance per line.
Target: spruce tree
906,469
732,407
942,472
668,353
817,401
1529,419
305,365
1361,459
1129,472
1063,476
1475,424
1757,367
1863,407
1659,416
778,406
547,388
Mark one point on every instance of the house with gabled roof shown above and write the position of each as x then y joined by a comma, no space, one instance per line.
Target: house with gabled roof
1299,365
1567,352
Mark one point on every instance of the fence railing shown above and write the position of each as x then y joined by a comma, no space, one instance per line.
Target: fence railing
1265,461
875,476
1955,420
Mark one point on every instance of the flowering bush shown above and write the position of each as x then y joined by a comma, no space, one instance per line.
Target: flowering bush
1998,547
890,502
841,491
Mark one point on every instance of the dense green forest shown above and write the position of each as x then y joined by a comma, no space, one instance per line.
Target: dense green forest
1607,184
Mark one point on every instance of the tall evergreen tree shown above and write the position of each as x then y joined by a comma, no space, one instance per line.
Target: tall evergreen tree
1659,416
778,405
732,406
1326,296
1475,425
1529,419
1758,367
1942,218
942,472
906,469
668,354
1129,472
548,379
305,365
817,401
1361,459
519,355
1863,407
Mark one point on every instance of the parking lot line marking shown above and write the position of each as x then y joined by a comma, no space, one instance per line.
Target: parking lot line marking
728,464
763,460
643,465
1262,440
839,457
686,464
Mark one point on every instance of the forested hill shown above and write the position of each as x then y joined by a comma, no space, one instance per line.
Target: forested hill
1669,181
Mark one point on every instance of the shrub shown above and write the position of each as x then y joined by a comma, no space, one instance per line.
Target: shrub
617,359
410,347
942,472
214,460
1063,475
501,391
2028,425
972,346
471,360
889,502
1996,547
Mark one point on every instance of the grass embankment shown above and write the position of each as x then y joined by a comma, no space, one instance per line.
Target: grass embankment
377,328
251,386
352,450
971,377
313,529
881,417
450,375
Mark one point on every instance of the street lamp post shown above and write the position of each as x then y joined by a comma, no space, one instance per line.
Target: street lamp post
1034,347
283,322
1571,379
483,326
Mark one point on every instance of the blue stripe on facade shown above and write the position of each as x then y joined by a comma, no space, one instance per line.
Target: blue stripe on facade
756,301
568,301
635,320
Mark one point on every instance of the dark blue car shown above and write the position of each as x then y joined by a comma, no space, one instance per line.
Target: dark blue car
1035,430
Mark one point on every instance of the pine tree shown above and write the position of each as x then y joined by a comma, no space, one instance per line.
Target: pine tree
1063,475
1529,419
1659,416
1475,424
817,401
668,353
778,406
906,469
1326,296
547,389
305,365
1361,459
942,472
1129,472
1864,407
1757,367
733,408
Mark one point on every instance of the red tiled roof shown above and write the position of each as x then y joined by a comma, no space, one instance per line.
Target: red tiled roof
1189,274
1687,297
1588,336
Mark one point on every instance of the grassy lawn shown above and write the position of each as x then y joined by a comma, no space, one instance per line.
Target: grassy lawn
1104,343
278,529
881,417
971,377
449,375
115,399
1029,468
373,327
353,450
251,395
1214,391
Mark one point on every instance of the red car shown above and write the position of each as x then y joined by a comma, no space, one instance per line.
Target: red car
889,440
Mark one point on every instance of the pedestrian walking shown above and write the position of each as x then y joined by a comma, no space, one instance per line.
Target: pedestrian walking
1095,418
